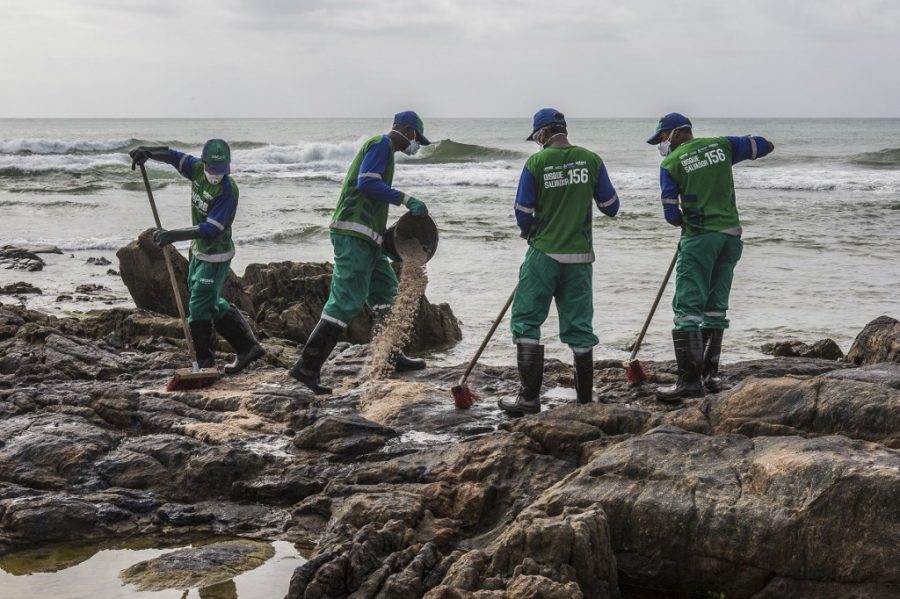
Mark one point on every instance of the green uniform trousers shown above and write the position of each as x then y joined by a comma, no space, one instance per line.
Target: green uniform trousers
542,279
703,275
362,275
205,282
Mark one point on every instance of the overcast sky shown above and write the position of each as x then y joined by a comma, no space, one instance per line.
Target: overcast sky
449,58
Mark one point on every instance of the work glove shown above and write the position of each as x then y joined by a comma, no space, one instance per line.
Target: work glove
162,237
417,207
141,154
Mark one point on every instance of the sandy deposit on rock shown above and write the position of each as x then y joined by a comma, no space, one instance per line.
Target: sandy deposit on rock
380,400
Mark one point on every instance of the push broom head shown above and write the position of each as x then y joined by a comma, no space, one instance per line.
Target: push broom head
463,396
186,379
635,372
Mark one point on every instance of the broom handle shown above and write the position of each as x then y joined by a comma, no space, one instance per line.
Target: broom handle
487,337
172,279
637,344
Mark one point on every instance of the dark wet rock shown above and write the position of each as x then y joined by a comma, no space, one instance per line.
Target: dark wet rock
112,272
825,349
886,373
781,587
344,435
198,567
143,270
98,261
20,288
821,405
696,513
289,297
878,342
15,258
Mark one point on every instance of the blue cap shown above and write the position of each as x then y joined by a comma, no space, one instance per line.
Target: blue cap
673,120
544,118
411,119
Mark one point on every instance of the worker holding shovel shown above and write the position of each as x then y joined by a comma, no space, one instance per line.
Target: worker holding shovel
554,213
362,274
698,196
214,201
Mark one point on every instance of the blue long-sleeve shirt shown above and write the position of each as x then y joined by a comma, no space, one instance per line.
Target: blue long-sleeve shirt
605,197
225,208
748,147
371,174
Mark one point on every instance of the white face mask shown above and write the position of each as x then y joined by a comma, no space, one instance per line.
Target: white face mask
213,179
412,148
665,146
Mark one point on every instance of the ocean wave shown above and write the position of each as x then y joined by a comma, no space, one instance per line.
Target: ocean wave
51,204
71,245
39,145
301,233
448,151
888,158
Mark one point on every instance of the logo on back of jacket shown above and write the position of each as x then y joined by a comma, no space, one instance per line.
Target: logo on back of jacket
565,174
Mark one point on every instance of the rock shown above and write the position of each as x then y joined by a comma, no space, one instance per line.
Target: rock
822,405
878,342
19,289
344,435
691,513
101,261
90,288
144,273
289,297
198,567
15,258
571,548
825,349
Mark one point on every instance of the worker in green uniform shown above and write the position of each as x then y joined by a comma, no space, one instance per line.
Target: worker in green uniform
362,273
214,201
554,214
698,196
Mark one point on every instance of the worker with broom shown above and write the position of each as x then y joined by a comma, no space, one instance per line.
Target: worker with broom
554,213
698,196
362,274
214,201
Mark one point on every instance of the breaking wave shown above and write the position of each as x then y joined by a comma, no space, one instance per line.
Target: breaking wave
448,151
888,158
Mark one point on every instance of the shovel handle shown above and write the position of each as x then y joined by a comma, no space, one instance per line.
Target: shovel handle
172,279
637,344
487,337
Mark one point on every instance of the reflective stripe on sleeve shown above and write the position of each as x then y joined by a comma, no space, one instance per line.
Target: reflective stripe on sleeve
752,148
343,225
404,199
215,223
670,201
610,201
181,162
369,176
524,209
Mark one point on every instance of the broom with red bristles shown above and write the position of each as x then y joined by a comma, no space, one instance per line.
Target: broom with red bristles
463,396
633,369
184,378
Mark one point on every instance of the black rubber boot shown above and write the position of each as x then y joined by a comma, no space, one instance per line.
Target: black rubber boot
237,332
204,336
318,347
712,343
584,376
530,359
403,363
689,356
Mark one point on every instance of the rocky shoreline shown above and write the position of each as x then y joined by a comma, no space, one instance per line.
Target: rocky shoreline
787,484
